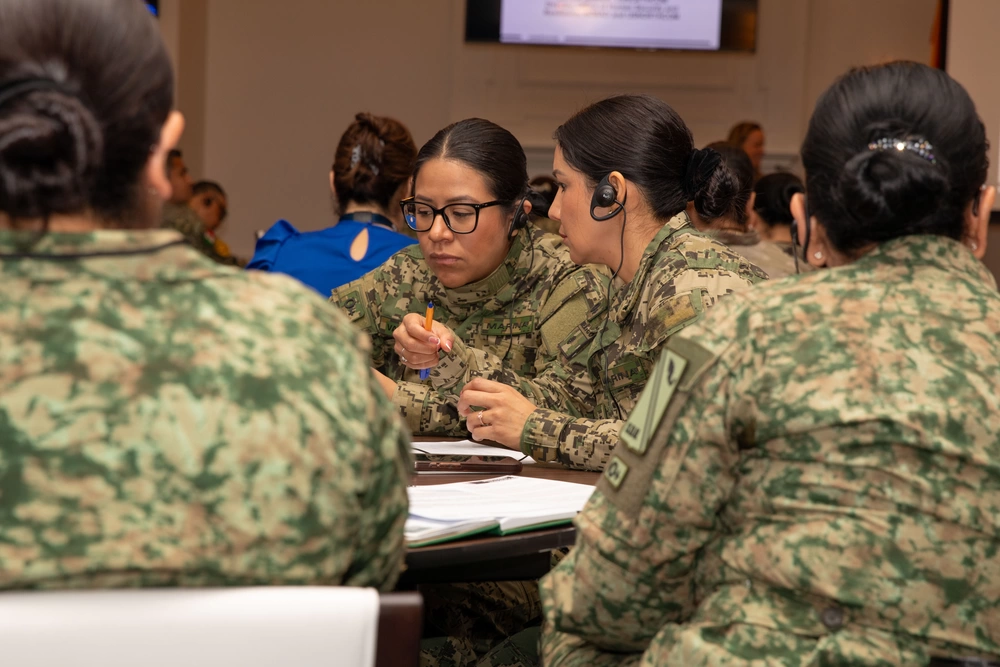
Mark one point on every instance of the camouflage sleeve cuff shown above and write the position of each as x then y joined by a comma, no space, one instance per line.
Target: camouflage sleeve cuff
428,411
453,371
411,398
540,435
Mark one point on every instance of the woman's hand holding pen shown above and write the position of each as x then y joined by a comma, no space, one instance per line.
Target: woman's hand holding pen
418,348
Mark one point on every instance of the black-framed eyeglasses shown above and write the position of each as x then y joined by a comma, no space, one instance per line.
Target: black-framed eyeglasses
460,218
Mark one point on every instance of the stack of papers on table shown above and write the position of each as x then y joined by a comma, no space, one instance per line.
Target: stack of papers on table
500,506
467,448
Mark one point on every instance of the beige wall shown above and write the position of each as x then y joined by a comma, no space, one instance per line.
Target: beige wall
282,81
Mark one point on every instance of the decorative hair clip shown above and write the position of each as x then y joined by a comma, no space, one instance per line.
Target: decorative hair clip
921,147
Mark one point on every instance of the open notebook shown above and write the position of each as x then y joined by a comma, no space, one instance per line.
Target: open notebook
501,506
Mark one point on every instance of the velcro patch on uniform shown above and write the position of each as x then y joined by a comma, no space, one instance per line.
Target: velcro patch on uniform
352,304
653,402
616,471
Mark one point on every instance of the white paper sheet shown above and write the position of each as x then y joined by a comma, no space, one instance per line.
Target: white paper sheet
468,448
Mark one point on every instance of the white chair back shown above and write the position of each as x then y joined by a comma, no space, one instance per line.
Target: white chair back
244,627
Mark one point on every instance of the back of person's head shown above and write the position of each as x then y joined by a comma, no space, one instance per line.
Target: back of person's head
543,193
891,151
487,148
373,160
203,187
643,138
774,197
727,194
85,88
739,133
173,155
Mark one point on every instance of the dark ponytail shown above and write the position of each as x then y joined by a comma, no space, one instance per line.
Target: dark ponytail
893,150
644,139
79,110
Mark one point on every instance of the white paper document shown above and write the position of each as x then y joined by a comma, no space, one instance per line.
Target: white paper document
467,448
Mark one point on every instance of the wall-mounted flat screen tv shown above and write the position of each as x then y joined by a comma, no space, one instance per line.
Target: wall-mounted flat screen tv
700,25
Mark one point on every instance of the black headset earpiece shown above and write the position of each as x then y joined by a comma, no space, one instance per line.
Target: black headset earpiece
605,196
520,219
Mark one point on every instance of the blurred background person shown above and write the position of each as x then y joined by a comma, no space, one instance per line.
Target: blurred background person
541,195
749,136
727,218
210,203
371,171
772,214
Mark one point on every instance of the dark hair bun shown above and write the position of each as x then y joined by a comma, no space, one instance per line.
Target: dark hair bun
701,166
863,196
51,147
882,190
726,190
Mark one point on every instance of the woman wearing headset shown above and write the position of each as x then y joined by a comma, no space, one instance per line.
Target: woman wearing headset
505,289
626,168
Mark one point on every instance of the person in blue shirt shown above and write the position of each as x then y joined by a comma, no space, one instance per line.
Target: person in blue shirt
371,170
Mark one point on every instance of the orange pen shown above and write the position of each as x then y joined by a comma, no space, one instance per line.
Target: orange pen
428,322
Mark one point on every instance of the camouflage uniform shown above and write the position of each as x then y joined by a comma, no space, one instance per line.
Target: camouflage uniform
550,295
818,486
166,421
183,219
772,258
682,272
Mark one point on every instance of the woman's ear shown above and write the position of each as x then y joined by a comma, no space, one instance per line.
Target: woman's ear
977,221
156,166
617,181
751,217
817,253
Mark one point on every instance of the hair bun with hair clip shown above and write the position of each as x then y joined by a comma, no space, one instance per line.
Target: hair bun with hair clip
916,145
700,167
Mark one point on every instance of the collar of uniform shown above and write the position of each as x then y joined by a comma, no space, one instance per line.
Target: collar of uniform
732,237
626,295
487,288
101,242
941,251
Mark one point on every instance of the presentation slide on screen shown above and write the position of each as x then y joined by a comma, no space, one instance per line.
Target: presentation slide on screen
641,24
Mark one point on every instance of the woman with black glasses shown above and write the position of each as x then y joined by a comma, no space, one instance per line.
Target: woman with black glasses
499,286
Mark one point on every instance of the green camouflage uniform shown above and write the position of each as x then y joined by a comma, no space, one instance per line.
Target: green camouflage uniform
774,259
183,219
819,484
681,274
166,421
551,296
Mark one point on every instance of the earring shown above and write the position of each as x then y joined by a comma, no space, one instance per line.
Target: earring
974,246
818,255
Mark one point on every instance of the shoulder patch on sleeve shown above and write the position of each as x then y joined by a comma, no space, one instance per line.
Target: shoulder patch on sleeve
641,451
653,402
577,298
352,302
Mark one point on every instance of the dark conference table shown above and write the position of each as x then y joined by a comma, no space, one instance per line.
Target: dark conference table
492,558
